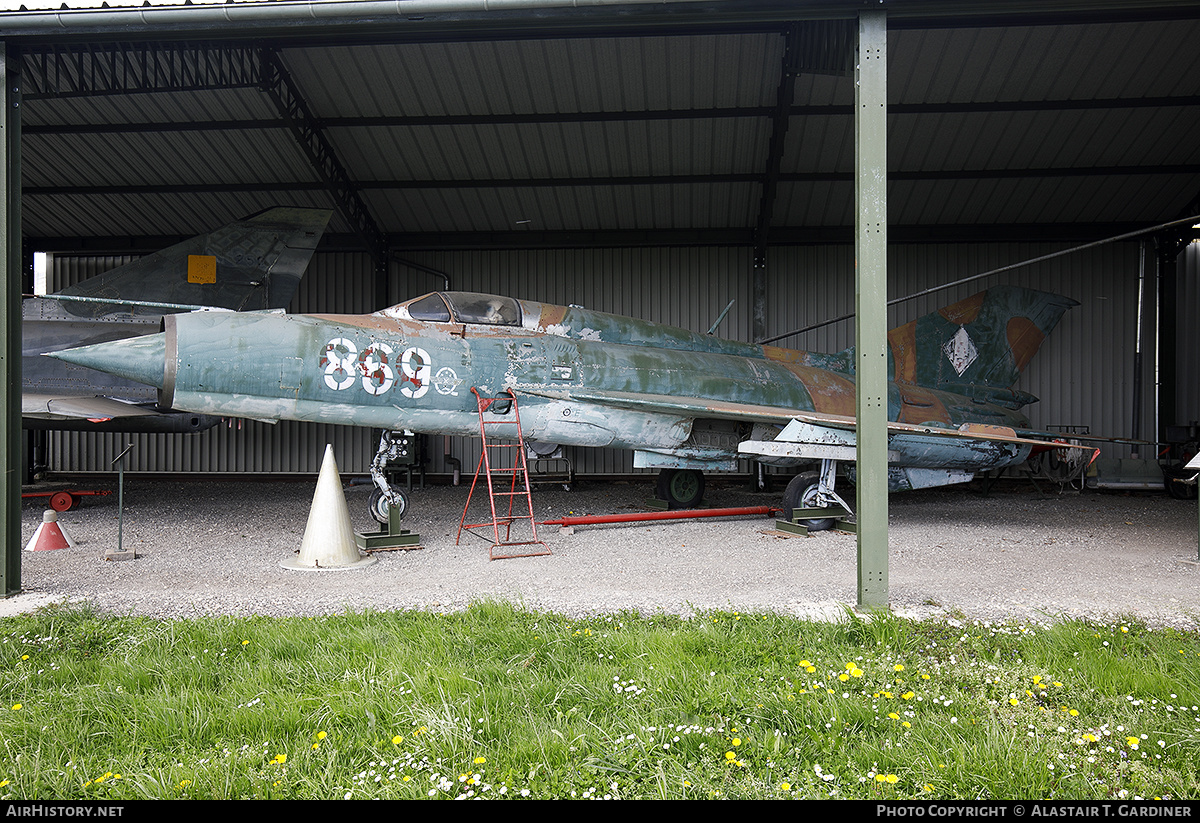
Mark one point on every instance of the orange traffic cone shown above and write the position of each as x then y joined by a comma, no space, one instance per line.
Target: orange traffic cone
49,535
328,542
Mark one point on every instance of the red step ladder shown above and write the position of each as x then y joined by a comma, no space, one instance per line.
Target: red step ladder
497,461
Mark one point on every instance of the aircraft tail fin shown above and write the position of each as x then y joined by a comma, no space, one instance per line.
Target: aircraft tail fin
978,346
250,264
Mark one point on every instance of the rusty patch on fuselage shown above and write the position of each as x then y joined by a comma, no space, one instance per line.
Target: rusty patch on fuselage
831,393
903,340
551,315
1024,338
964,311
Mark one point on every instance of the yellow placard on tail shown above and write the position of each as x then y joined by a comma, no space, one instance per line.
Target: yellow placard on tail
202,268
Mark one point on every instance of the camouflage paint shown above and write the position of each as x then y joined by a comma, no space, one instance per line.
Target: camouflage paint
588,378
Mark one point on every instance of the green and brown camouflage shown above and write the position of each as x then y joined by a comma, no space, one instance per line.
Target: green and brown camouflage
679,399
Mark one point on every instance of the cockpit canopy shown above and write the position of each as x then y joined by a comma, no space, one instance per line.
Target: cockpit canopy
466,307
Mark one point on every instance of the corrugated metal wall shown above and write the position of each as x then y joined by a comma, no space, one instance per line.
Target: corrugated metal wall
1083,375
1187,406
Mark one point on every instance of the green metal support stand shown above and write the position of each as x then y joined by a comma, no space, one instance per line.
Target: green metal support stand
389,536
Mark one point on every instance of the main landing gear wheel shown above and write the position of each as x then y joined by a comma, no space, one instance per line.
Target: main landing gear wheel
380,507
681,488
801,493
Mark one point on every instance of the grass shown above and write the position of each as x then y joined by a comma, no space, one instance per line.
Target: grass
498,702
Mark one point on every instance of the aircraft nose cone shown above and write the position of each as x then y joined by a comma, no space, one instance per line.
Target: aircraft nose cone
137,358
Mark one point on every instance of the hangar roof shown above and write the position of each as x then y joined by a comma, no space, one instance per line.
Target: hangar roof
468,123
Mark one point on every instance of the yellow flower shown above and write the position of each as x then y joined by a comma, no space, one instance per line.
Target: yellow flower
891,778
856,672
1132,741
16,707
785,786
1074,712
893,715
481,760
737,741
245,642
730,756
1012,701
396,740
321,735
279,759
908,695
899,667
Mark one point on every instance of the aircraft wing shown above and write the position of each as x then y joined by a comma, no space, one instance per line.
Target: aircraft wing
750,412
66,407
807,434
970,431
671,404
65,412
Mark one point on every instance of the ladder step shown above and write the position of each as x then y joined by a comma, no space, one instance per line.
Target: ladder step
490,472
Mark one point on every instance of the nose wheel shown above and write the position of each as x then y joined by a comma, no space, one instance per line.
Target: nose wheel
380,507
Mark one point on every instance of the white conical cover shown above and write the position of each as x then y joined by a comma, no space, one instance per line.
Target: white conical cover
328,541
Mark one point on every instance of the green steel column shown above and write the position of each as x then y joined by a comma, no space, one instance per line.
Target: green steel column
10,278
870,254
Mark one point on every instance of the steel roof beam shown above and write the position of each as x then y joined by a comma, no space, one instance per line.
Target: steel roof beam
279,86
631,238
373,20
630,180
419,121
98,70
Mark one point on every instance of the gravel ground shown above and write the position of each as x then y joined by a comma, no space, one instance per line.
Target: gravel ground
208,548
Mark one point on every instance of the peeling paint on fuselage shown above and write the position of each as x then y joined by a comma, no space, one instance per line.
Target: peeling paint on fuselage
389,371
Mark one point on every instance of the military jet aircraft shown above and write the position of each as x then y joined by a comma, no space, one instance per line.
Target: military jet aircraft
255,263
684,402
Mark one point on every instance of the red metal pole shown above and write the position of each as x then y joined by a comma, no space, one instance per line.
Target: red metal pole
687,514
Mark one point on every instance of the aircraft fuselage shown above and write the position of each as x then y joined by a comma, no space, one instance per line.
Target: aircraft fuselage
582,378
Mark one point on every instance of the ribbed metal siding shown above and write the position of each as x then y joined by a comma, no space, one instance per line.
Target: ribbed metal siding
1187,409
1083,374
